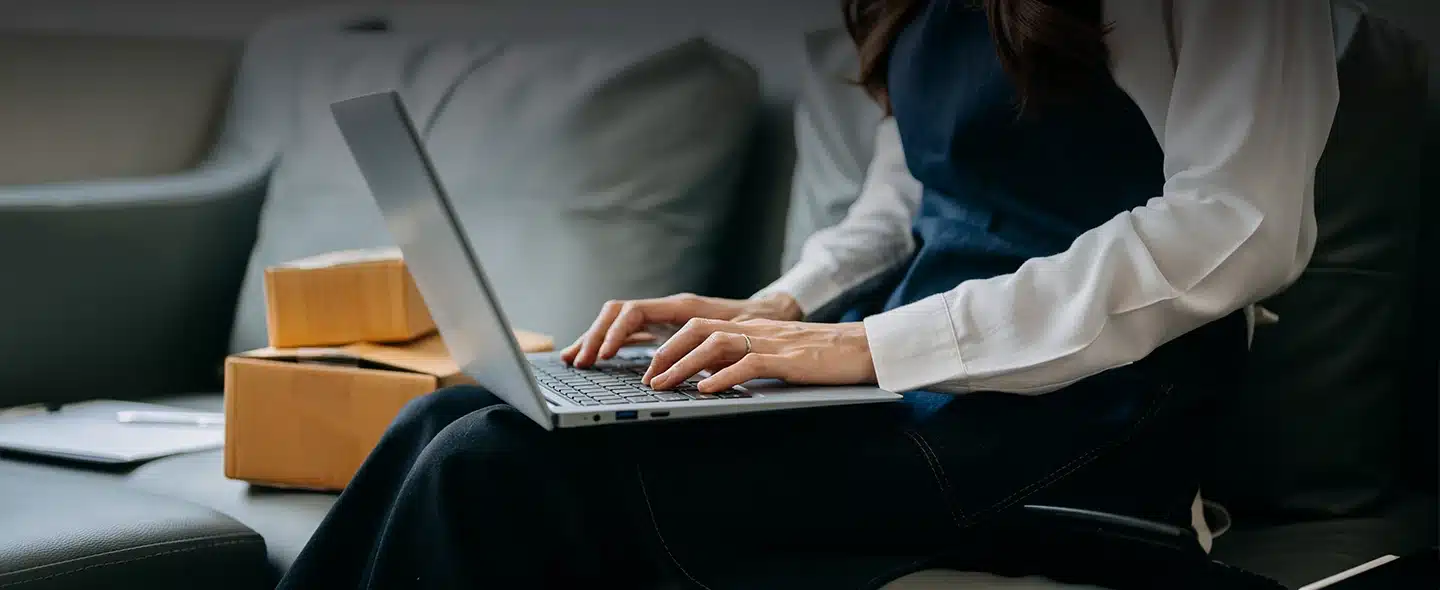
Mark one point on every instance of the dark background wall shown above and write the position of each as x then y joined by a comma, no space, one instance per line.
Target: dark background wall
234,18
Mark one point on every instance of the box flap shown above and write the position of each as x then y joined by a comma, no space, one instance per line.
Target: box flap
344,258
427,355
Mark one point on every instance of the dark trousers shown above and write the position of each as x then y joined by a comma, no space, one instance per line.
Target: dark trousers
465,492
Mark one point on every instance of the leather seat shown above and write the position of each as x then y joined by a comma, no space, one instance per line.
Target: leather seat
72,529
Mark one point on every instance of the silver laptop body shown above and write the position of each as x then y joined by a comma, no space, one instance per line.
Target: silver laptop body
423,223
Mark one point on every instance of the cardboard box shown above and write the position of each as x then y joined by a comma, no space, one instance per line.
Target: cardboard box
307,418
344,297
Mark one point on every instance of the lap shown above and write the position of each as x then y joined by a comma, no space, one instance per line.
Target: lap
897,478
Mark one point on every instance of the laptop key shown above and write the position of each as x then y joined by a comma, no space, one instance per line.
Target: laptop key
613,401
641,400
672,397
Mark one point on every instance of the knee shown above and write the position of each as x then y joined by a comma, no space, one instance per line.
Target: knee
437,410
496,437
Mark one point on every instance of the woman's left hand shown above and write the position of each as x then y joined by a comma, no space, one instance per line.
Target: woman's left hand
795,352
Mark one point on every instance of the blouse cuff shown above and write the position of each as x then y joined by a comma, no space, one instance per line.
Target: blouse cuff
915,346
809,283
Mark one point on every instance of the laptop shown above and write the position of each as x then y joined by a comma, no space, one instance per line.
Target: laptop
422,221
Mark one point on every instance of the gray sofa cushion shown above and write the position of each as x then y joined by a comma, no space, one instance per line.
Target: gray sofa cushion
609,166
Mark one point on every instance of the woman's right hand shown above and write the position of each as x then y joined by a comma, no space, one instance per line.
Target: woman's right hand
620,320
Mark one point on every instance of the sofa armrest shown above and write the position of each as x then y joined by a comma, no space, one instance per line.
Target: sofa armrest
118,289
64,530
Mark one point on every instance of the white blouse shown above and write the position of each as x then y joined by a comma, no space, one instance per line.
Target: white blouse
1242,108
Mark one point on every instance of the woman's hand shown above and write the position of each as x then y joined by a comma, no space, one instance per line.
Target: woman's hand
619,321
736,352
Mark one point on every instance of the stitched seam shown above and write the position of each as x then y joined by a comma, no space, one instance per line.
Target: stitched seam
955,336
1075,464
129,550
132,560
944,492
941,468
640,475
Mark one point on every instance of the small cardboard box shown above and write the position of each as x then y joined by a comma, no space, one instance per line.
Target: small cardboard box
307,418
344,297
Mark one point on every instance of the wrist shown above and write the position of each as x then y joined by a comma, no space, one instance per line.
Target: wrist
860,340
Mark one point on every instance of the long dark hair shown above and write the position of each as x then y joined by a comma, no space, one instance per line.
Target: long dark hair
1052,50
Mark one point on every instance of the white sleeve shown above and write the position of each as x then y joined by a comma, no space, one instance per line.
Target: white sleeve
873,237
1242,115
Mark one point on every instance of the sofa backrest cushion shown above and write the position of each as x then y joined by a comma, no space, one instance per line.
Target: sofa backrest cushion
1422,440
581,171
91,107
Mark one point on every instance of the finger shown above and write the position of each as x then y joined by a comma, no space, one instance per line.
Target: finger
630,319
753,366
695,332
590,348
634,315
719,347
569,352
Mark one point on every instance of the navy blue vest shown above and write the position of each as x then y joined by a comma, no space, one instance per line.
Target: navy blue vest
1000,188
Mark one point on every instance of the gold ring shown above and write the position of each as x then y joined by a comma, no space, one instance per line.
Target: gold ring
747,343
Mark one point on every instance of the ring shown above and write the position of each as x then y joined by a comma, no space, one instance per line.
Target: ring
747,343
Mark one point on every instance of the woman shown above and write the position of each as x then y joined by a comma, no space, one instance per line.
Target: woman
1071,208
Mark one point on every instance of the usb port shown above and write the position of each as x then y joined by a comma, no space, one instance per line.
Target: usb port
627,415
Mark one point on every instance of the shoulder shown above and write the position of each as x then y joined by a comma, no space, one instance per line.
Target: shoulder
1211,43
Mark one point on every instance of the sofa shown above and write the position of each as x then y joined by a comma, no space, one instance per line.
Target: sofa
131,218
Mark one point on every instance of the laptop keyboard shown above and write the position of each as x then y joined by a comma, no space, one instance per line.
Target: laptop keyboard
615,383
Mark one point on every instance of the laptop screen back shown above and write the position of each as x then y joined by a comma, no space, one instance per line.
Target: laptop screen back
422,222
